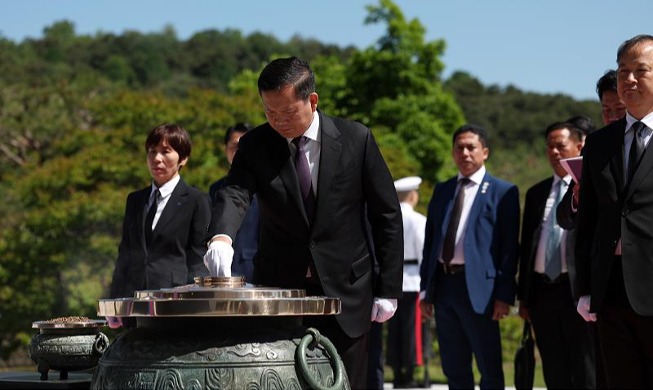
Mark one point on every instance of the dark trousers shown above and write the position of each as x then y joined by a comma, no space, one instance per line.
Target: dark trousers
601,382
375,366
563,338
626,337
402,338
352,351
462,332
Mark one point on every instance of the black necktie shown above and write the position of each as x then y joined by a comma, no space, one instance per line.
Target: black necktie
450,236
304,176
636,148
149,218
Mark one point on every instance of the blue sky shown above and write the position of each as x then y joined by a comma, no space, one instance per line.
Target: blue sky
550,46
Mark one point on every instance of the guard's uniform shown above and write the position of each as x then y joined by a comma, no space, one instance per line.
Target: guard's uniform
405,327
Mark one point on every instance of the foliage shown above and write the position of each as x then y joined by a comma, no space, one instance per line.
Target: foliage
396,86
513,117
75,111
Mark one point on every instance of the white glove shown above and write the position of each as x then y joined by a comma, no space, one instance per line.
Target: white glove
114,322
218,258
383,309
583,308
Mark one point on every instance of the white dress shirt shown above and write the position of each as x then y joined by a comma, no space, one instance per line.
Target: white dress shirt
471,189
166,191
549,212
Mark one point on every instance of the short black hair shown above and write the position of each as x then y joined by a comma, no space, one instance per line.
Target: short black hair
475,129
574,132
283,72
607,82
627,45
240,127
176,136
583,123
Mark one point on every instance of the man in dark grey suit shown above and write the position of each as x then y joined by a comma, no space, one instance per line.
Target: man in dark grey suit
318,179
614,244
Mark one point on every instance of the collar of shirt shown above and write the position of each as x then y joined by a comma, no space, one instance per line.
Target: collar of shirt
556,179
167,188
476,177
647,120
313,130
405,206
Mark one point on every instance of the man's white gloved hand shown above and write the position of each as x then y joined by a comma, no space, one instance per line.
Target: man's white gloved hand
114,322
383,309
218,258
583,308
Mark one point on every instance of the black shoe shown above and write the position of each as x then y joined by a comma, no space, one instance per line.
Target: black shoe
405,385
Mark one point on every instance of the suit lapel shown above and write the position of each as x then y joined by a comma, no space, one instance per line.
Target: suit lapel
177,199
542,196
143,199
643,170
288,174
330,152
482,196
617,161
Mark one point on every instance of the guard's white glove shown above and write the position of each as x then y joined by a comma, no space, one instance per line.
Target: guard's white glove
583,308
383,309
218,258
114,322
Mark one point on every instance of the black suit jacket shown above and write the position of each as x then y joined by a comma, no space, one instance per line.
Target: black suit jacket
352,175
610,209
246,242
175,254
534,207
565,215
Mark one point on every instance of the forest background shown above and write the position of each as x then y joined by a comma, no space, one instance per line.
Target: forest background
75,110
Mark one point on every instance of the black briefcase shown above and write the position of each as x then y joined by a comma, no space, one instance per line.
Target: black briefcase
525,360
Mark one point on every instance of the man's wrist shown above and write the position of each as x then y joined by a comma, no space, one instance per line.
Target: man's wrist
220,237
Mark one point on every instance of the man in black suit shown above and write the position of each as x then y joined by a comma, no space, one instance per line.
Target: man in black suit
612,109
317,179
614,244
164,227
246,241
544,290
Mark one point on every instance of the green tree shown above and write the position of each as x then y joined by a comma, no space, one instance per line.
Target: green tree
396,86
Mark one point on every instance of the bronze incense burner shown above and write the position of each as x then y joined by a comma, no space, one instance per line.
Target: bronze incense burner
67,344
220,333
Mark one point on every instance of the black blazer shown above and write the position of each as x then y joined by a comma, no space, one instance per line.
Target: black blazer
175,255
565,215
352,175
610,209
246,242
534,206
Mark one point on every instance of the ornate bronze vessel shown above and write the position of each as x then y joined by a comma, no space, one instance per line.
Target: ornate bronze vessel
67,344
220,333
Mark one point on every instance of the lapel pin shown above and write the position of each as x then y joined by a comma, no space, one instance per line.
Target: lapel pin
484,187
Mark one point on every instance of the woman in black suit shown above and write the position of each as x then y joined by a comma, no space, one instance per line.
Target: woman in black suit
165,223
